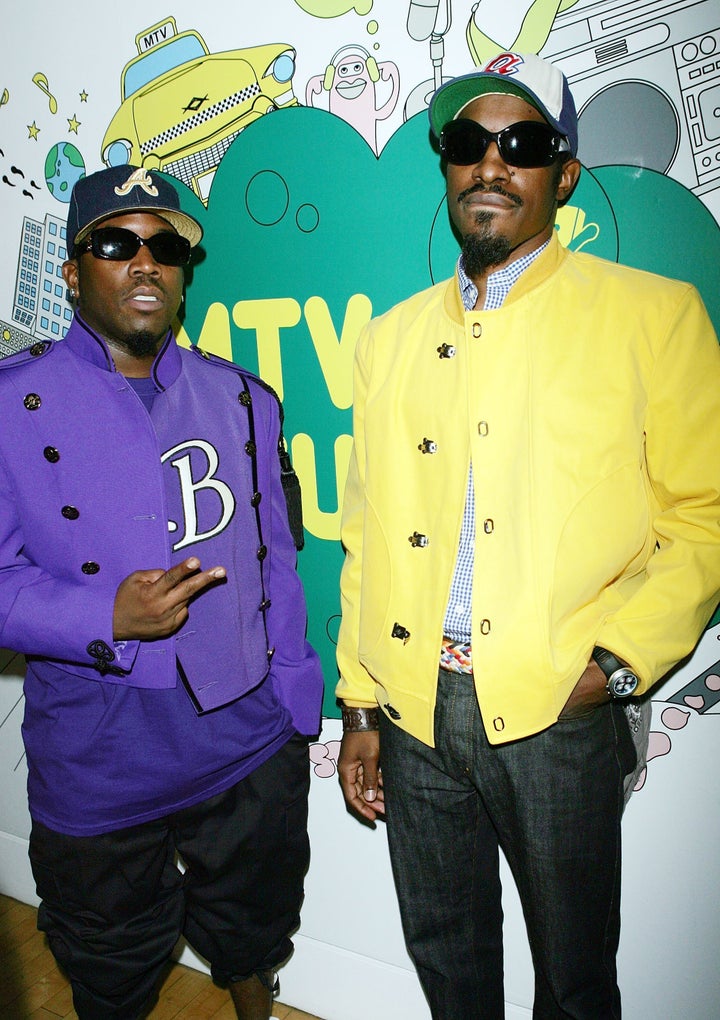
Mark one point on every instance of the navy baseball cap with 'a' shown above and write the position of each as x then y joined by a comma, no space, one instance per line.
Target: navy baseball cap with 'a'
125,189
527,76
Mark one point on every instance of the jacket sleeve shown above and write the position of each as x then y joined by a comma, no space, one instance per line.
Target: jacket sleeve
48,616
355,686
668,606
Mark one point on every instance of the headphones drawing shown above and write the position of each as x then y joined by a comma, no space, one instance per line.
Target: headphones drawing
356,50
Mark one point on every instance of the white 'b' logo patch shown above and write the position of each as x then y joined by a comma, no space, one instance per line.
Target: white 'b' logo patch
190,488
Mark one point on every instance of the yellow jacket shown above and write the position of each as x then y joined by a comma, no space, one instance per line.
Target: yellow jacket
590,407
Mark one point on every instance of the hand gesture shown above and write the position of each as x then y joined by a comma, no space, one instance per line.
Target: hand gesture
154,603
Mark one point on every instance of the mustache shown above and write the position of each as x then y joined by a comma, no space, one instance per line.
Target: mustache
148,281
493,189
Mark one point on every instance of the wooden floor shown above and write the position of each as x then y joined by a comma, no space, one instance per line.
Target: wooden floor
33,988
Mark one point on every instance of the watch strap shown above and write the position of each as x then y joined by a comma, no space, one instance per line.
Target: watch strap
607,662
622,681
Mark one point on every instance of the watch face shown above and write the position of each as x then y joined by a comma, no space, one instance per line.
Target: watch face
623,683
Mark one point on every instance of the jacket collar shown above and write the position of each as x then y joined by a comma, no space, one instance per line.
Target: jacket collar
90,346
543,267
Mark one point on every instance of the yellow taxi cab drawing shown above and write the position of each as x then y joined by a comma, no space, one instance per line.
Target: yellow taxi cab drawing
182,106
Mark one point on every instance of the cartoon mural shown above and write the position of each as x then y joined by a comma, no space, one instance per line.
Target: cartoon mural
216,95
522,26
350,81
332,209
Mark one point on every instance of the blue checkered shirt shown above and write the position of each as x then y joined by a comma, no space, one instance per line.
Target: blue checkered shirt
458,615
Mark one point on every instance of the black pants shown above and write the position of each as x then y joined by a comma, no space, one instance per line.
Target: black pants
113,906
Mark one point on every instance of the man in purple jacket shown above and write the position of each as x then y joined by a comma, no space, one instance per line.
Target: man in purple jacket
168,704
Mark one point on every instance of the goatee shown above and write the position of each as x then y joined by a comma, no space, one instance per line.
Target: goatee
482,250
142,344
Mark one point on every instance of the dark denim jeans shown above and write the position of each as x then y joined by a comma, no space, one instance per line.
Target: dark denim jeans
553,802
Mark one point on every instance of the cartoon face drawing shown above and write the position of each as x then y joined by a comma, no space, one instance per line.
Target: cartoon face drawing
351,76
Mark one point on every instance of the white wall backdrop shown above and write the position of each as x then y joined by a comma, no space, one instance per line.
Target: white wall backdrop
60,86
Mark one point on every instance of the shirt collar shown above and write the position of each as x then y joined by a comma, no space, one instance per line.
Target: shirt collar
498,284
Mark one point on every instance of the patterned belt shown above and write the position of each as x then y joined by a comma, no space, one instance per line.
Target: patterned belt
456,656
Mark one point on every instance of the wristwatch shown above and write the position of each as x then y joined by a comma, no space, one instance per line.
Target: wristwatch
621,681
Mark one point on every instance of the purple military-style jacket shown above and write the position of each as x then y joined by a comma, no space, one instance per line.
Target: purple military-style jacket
92,488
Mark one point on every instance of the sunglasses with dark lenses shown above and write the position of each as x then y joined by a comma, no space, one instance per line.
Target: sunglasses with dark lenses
526,145
121,245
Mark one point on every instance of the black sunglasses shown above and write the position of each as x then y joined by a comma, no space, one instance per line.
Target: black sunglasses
121,245
526,145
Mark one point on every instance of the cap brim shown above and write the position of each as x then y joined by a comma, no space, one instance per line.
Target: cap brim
185,225
451,98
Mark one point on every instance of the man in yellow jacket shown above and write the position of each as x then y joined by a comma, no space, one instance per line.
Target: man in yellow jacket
532,526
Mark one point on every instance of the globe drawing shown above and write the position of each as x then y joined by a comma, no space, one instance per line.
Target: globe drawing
63,167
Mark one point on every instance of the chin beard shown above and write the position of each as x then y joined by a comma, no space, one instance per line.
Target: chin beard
482,250
142,344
